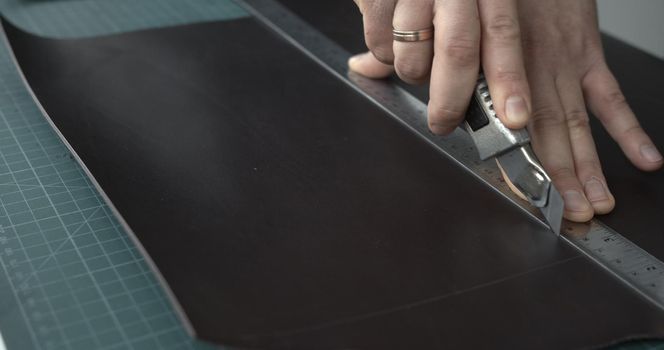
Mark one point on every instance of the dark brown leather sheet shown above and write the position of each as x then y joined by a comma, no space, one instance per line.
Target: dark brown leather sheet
285,210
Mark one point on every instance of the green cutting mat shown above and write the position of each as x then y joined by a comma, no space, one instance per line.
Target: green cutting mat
85,18
71,278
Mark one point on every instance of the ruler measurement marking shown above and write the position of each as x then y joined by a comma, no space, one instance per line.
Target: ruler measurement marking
625,260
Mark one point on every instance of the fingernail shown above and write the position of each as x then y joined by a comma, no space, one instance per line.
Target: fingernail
650,153
595,190
516,110
353,60
574,201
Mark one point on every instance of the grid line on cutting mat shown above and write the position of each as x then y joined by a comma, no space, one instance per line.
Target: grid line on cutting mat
74,279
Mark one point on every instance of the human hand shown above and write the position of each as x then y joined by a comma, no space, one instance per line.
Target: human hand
553,46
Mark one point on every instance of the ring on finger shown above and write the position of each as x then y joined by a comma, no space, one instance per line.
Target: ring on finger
412,35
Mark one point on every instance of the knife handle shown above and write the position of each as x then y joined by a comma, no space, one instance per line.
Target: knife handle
490,135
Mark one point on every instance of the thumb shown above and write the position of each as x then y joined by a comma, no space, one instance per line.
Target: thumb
367,65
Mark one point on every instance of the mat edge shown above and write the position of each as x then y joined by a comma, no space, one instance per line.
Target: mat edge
179,310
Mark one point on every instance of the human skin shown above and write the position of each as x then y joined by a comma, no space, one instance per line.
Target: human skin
544,64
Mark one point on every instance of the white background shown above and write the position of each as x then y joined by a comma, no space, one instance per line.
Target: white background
638,22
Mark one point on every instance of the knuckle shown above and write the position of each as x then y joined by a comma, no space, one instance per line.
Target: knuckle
443,119
443,113
633,130
615,100
382,53
411,69
578,120
440,129
503,28
461,51
562,173
508,77
547,117
379,46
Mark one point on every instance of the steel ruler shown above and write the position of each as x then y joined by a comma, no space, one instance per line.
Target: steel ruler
625,260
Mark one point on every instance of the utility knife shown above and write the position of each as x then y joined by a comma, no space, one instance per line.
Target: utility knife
514,155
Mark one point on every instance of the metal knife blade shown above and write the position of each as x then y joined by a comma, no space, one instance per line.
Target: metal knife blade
514,154
526,174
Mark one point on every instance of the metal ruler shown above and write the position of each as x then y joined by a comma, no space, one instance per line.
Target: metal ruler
625,260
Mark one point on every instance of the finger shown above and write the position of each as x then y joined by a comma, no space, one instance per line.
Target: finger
366,64
412,60
377,19
608,103
551,142
502,60
455,63
586,161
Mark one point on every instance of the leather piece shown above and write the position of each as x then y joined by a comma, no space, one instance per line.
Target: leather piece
512,315
282,207
639,195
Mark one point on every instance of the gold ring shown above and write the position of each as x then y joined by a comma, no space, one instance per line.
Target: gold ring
412,35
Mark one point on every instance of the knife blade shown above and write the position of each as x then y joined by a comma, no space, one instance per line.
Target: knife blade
514,155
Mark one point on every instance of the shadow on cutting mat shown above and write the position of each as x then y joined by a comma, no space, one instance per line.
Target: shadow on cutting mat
285,210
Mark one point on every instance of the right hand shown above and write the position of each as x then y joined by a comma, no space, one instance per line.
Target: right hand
452,59
561,55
